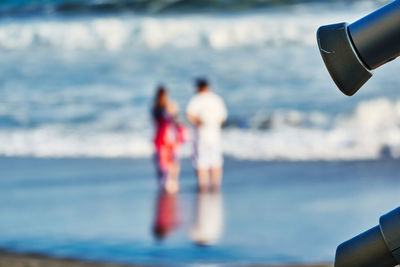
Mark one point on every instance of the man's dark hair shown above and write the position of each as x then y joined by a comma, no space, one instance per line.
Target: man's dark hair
201,83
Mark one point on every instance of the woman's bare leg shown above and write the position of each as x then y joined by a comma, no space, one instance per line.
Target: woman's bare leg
172,183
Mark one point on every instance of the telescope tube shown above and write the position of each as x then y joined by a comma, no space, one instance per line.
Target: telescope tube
377,247
350,52
377,36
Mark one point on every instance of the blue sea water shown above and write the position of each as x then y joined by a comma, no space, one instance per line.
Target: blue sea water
82,85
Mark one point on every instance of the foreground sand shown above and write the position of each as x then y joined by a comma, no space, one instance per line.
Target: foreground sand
30,260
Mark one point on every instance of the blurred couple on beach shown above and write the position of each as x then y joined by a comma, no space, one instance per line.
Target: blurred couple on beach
206,112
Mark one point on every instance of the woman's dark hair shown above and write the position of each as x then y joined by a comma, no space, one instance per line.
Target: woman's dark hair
159,100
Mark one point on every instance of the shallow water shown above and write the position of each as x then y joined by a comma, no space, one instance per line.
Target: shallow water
267,212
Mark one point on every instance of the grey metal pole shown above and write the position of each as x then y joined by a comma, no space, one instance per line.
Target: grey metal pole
350,52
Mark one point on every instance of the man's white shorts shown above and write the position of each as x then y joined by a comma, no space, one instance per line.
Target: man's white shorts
208,155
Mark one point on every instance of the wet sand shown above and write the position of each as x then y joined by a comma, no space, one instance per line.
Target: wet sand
8,259
35,260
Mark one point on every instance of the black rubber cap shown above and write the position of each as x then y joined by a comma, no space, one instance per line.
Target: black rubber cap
341,59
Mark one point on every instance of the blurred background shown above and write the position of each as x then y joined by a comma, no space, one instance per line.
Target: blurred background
306,166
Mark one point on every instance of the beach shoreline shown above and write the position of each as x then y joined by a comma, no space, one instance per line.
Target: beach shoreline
11,259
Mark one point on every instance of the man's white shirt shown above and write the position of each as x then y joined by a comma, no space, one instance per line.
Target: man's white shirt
211,110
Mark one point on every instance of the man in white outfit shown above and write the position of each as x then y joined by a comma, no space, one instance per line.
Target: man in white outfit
207,112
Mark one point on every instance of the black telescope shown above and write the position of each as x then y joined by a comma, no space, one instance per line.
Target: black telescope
377,247
351,52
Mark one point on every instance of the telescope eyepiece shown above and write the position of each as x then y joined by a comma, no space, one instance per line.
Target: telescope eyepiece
350,52
341,59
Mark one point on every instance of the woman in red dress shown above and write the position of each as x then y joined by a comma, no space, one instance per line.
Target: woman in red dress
169,135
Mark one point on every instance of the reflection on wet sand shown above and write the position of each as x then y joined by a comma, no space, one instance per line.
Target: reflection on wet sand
167,215
207,227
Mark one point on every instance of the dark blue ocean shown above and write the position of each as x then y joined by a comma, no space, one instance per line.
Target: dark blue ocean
18,7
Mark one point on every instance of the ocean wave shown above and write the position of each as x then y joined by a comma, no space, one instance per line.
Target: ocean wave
56,142
151,32
372,131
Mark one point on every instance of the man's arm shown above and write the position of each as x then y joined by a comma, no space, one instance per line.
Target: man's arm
191,113
194,119
224,113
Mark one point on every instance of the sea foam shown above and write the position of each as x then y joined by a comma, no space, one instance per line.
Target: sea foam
372,131
155,32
